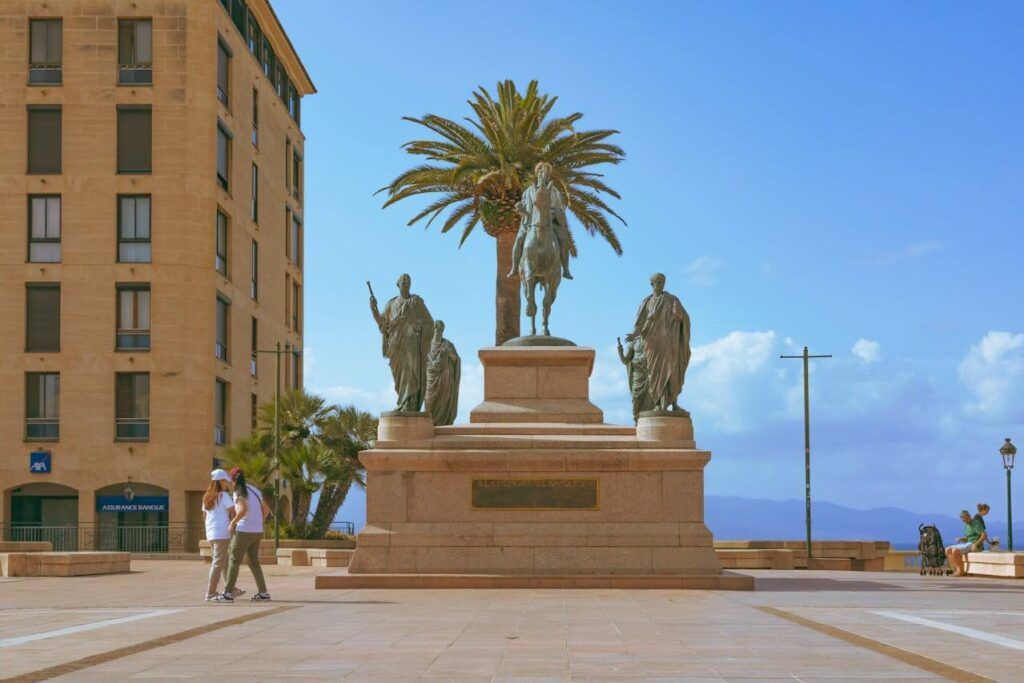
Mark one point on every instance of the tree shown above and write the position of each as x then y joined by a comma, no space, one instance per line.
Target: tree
481,170
319,450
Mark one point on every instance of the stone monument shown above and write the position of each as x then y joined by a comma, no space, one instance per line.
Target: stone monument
444,371
406,328
537,490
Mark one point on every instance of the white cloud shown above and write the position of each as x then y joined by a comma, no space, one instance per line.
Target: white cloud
703,271
729,377
993,371
909,252
867,350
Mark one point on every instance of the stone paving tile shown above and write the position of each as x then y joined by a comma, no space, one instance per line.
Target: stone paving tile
510,634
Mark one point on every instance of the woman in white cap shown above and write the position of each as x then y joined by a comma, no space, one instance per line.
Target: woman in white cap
218,509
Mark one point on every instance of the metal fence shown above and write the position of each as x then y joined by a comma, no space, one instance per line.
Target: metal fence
63,538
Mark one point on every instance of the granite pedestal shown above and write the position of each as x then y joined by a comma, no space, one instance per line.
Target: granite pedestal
535,490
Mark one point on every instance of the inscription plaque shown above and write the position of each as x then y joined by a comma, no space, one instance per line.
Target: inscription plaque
535,494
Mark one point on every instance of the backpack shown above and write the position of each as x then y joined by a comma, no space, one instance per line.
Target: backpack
933,552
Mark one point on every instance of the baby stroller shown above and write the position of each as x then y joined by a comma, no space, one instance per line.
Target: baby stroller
933,552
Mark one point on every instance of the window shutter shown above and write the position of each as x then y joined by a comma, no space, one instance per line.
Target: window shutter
134,140
222,68
42,319
44,148
54,41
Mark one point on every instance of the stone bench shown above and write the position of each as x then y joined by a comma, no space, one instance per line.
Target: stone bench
64,564
25,546
754,558
1003,564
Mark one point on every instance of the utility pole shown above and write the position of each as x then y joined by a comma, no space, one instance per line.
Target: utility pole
277,351
807,439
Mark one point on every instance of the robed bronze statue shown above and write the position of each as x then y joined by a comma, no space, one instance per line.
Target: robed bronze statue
444,369
634,357
405,327
664,327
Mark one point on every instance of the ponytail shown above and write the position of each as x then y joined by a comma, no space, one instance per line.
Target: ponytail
241,490
211,495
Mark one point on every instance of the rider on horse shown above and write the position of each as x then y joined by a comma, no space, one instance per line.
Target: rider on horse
531,207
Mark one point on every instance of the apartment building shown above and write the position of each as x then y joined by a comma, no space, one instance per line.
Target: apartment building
151,241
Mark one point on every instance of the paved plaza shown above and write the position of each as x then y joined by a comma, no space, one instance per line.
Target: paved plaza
800,625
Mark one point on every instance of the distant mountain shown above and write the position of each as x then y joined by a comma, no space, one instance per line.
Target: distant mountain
731,517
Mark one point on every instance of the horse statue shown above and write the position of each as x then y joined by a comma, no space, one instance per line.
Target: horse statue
541,253
541,263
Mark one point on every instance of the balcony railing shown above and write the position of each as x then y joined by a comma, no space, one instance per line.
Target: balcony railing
132,428
135,74
45,74
42,428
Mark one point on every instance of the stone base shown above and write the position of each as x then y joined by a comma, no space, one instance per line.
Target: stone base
538,340
716,581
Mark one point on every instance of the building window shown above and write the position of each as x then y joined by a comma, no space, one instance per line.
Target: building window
45,47
253,36
287,229
288,165
133,306
255,347
295,241
295,370
255,117
134,139
254,408
135,51
42,317
239,15
220,409
221,262
223,156
131,422
254,209
287,301
269,61
297,176
254,276
44,229
44,140
134,240
42,406
296,300
223,72
294,101
220,348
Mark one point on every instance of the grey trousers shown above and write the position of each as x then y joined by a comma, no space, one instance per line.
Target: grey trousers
245,545
219,566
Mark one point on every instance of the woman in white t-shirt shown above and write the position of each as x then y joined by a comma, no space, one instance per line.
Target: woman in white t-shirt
218,509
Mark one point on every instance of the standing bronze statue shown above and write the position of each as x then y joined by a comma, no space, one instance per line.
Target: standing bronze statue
406,328
664,327
540,254
634,357
444,369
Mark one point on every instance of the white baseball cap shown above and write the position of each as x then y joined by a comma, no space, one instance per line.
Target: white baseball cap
219,475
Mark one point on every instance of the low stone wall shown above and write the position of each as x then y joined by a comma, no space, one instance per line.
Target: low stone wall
314,557
1002,564
826,555
64,564
752,558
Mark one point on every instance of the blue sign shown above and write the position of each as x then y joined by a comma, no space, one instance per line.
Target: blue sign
40,462
136,504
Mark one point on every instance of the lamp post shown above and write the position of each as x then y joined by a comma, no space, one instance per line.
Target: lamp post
277,351
1008,451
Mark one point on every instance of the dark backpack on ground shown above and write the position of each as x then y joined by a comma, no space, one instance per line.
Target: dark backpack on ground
933,552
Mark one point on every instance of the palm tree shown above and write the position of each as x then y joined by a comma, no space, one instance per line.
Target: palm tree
253,456
482,169
346,432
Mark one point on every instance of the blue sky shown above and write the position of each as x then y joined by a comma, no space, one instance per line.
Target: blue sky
841,175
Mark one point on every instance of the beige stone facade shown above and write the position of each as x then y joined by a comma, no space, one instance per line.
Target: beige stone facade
87,458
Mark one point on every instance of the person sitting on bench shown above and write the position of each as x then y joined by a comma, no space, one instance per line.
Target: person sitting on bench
973,540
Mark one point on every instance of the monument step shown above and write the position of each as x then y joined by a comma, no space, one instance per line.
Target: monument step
536,429
724,581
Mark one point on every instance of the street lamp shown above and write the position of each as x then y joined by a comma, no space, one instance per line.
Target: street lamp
1008,451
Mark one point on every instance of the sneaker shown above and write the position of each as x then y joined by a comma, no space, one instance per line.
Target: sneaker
239,592
210,597
223,597
259,597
